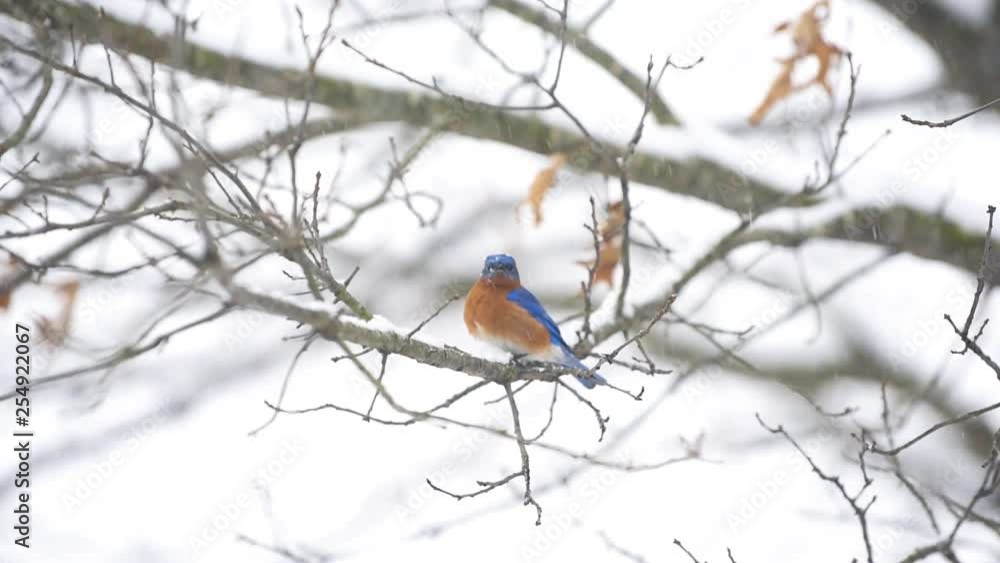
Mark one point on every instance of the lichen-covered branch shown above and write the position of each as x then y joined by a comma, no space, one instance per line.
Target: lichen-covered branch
332,325
696,177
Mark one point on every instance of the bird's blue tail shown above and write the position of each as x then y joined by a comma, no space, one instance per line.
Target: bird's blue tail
588,382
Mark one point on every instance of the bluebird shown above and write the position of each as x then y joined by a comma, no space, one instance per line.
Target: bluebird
499,310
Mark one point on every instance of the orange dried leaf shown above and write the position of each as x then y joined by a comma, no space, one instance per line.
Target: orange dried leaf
807,36
50,331
610,248
780,89
611,255
826,54
56,331
614,222
808,30
543,182
6,293
69,289
607,261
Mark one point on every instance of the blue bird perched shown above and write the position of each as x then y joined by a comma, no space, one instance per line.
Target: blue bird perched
499,310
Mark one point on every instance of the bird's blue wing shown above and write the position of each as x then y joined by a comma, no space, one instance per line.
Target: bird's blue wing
527,301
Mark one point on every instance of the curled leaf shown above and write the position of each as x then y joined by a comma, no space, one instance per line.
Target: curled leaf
780,89
607,261
543,182
614,222
56,330
5,293
610,246
807,36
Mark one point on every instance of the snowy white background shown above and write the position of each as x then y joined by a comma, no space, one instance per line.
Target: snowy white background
133,466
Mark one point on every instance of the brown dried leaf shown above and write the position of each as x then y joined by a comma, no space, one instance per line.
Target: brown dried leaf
610,256
56,331
807,35
610,250
543,182
614,222
6,293
808,29
607,261
50,331
69,290
826,55
780,89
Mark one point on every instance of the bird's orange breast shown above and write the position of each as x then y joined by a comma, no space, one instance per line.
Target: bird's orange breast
490,316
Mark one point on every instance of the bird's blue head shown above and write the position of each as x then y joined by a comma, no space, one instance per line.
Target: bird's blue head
500,266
